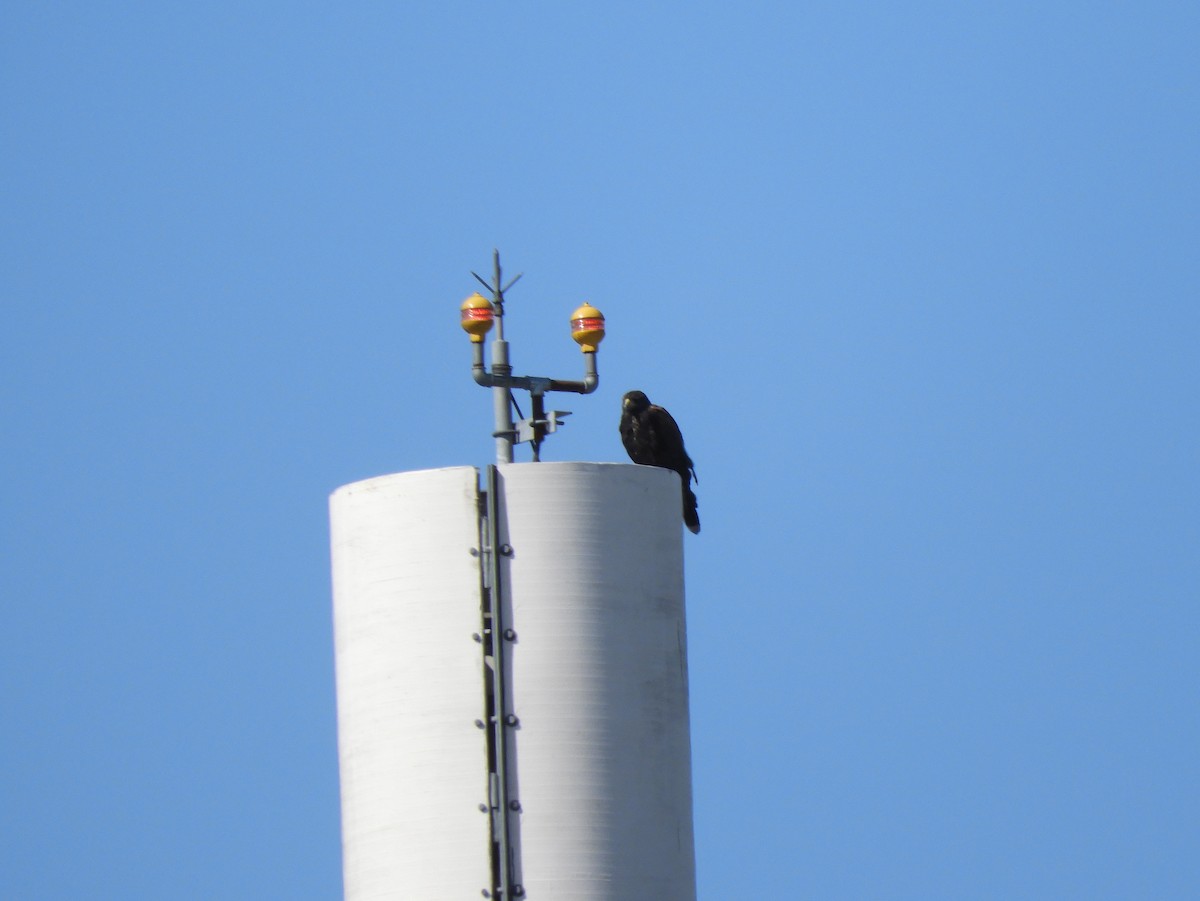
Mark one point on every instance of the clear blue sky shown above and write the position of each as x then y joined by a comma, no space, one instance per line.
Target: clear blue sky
919,282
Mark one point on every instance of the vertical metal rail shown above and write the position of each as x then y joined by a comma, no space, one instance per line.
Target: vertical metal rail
501,718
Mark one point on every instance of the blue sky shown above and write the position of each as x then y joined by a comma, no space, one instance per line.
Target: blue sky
918,281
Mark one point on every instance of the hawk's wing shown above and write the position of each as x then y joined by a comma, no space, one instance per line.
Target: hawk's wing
668,442
633,437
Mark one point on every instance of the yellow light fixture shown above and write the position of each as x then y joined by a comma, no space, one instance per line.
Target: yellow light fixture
477,317
587,328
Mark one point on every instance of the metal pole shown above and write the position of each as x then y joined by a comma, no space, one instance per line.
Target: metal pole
503,412
501,368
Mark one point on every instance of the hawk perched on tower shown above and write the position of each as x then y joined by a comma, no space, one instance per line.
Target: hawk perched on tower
652,438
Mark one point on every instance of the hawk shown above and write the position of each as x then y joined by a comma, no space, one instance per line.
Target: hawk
652,438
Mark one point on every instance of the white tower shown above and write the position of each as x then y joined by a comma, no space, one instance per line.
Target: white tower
512,667
596,796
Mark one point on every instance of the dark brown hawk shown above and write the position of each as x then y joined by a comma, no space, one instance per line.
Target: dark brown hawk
652,438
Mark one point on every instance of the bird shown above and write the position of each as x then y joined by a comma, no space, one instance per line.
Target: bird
652,438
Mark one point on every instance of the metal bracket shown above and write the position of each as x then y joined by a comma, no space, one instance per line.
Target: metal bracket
531,429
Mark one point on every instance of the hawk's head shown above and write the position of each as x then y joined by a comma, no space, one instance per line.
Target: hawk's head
634,402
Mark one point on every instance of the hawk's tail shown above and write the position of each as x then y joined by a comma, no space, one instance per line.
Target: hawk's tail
690,517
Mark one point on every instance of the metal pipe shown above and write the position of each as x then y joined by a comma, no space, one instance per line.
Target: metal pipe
591,379
478,367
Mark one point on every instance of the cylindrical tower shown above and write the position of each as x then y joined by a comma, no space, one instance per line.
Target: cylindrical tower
597,783
599,681
413,763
